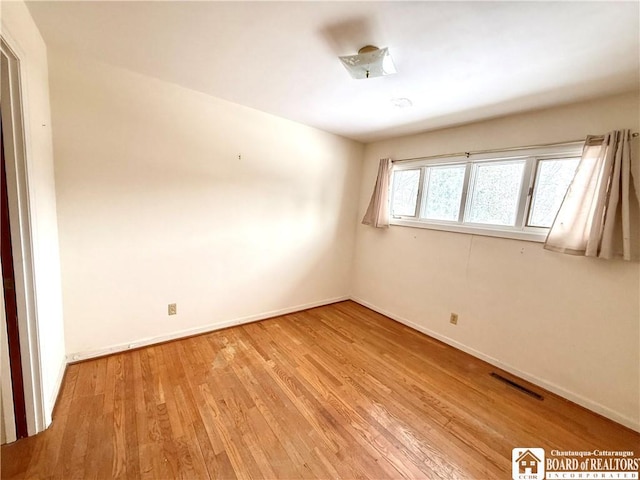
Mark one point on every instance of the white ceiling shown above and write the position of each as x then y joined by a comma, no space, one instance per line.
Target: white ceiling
457,61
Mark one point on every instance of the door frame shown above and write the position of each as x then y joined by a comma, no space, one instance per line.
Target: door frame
10,334
6,399
16,135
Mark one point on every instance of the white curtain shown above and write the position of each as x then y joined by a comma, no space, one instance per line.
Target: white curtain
599,212
378,212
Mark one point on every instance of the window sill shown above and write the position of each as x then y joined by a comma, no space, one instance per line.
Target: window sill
530,235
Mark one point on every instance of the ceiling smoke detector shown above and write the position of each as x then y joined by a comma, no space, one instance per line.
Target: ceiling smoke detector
370,62
401,102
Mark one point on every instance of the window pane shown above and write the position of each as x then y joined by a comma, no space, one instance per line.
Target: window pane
552,180
405,192
495,193
444,191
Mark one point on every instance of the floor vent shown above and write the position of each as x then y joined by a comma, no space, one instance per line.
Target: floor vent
513,384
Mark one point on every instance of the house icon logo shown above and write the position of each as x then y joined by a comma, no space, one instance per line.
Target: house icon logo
527,463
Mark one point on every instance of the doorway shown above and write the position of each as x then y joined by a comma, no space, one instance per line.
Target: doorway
21,326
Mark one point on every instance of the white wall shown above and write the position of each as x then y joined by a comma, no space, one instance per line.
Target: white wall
22,34
156,208
567,323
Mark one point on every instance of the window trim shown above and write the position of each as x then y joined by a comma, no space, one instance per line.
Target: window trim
520,230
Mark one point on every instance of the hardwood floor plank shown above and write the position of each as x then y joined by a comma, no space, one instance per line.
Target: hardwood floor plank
287,441
118,443
363,462
332,392
243,466
340,411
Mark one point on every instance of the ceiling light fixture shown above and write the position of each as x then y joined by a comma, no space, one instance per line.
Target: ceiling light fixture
370,62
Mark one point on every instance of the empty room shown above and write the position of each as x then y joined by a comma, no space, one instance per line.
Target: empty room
290,240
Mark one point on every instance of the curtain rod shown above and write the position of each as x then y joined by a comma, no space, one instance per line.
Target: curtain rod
499,150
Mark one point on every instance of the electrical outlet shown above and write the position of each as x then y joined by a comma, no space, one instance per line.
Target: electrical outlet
173,309
454,318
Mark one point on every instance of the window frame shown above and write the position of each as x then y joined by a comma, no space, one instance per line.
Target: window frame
520,230
463,195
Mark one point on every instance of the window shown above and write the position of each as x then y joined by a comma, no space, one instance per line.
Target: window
514,194
444,191
552,180
405,192
495,192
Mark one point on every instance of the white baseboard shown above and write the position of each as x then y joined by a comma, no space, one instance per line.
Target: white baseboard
143,342
569,395
558,390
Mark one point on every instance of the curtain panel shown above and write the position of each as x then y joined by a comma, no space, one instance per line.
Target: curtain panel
599,214
377,214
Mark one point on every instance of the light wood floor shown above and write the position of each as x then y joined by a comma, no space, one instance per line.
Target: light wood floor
332,392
